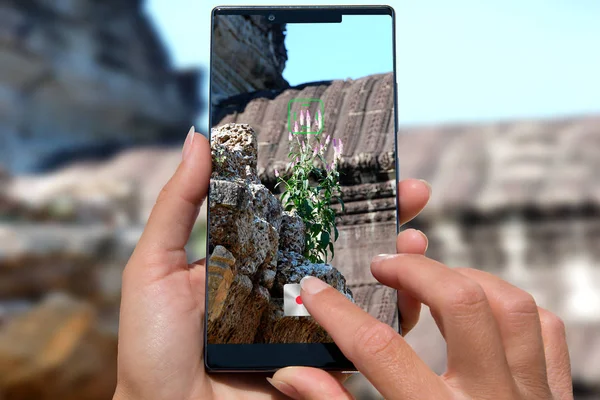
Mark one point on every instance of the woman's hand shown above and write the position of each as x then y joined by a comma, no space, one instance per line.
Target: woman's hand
500,344
162,307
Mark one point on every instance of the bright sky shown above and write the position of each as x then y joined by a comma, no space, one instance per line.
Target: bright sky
358,46
461,60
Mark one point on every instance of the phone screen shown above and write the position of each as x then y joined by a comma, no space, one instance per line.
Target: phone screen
303,137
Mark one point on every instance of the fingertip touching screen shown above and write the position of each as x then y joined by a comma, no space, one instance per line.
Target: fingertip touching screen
303,138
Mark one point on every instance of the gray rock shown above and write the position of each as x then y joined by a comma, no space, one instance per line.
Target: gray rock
292,232
292,267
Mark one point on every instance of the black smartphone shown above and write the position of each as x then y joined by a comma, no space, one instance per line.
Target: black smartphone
303,138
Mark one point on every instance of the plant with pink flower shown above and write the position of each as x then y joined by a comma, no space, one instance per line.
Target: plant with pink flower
310,187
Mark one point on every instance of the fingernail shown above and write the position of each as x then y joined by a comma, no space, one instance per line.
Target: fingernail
312,285
381,257
284,388
427,184
425,238
187,145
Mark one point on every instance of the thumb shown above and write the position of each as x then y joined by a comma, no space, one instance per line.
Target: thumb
304,383
160,250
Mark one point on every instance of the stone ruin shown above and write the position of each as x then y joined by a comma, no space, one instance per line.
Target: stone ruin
360,113
255,248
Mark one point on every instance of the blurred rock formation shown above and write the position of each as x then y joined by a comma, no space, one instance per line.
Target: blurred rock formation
252,254
57,351
80,79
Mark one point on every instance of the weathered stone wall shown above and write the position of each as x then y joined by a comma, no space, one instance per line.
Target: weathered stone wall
248,54
82,78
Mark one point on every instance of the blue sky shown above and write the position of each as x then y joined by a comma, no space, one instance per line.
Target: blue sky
457,61
361,45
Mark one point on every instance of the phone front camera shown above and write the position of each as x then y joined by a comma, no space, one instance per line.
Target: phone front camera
271,17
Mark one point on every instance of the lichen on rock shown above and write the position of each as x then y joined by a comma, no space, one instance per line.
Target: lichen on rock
255,248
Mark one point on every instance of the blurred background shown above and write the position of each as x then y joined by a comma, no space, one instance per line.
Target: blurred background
499,110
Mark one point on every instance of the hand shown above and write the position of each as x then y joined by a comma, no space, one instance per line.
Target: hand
162,307
500,344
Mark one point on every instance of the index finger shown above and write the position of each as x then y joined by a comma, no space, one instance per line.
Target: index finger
374,347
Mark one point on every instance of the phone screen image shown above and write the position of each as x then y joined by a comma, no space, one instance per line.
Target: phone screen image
303,140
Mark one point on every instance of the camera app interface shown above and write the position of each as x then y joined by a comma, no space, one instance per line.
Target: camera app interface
303,181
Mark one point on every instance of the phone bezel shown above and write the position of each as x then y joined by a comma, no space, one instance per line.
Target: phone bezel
270,357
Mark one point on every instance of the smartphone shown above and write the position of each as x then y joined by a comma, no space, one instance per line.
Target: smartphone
303,137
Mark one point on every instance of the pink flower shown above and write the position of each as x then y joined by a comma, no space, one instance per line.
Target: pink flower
319,119
296,129
327,140
303,147
338,148
308,119
290,135
276,173
316,151
301,118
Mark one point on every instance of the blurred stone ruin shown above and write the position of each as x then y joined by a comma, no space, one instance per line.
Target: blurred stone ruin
518,198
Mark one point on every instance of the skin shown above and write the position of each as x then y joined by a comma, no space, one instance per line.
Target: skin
500,344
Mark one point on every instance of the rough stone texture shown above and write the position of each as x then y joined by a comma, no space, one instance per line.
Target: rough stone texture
247,222
251,239
276,328
359,112
241,315
249,54
220,278
291,235
234,152
292,267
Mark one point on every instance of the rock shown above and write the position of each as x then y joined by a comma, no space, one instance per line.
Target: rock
291,234
277,328
266,205
292,267
241,315
56,351
252,241
220,277
268,278
234,152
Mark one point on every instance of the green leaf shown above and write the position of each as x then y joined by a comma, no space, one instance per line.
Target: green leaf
325,239
336,234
